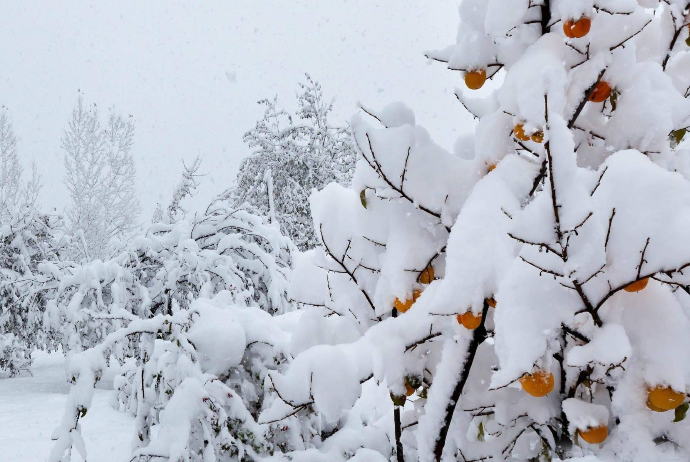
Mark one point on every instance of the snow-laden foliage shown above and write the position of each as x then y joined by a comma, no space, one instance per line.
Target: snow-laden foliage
26,243
101,179
187,308
300,152
556,326
184,190
27,238
17,196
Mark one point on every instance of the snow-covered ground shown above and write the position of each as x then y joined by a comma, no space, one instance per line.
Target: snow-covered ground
31,407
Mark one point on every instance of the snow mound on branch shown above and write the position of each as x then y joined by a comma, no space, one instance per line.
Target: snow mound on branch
657,328
219,340
583,415
530,311
395,114
479,249
314,375
314,329
609,346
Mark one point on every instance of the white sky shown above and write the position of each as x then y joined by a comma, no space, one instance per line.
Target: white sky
191,73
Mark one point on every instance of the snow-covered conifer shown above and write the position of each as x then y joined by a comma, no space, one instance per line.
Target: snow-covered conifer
303,152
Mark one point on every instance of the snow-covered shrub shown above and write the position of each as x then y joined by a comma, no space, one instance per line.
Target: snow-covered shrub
27,238
557,323
188,309
292,156
228,249
25,244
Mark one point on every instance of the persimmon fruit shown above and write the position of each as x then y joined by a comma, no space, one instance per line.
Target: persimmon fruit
577,29
637,285
475,79
594,435
491,302
407,304
519,132
538,384
664,398
469,320
601,92
427,275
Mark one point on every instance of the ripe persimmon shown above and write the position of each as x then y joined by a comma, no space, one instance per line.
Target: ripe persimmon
664,398
469,320
654,408
594,435
637,285
409,389
427,275
407,304
492,167
538,384
537,137
577,29
491,302
475,79
601,92
519,132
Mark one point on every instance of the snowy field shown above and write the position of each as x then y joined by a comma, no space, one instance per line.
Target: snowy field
31,407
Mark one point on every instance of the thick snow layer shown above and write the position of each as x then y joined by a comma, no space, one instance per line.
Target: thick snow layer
583,415
609,346
219,340
31,407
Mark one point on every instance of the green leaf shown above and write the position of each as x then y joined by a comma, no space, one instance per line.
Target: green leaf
677,136
613,99
681,412
363,197
480,434
424,393
398,400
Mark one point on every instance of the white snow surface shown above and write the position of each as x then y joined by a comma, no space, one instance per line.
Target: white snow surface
31,407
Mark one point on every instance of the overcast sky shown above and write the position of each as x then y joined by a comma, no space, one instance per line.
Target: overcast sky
191,72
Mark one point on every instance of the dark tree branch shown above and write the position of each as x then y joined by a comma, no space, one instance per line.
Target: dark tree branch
608,232
377,167
633,35
345,268
642,260
478,336
598,182
542,270
537,244
588,93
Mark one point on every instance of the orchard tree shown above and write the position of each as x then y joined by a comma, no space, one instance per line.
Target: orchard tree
544,281
294,154
101,179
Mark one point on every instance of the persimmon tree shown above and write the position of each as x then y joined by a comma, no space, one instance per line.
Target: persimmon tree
555,321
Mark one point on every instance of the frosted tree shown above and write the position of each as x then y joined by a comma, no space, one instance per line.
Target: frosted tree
100,177
541,272
17,196
26,239
302,152
191,303
184,190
